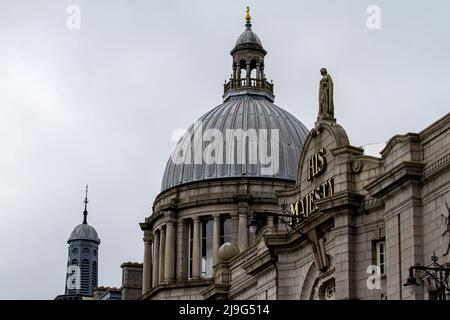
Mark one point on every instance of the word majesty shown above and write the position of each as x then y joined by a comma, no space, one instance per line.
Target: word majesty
233,146
305,207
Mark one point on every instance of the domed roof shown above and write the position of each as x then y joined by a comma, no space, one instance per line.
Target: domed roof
84,232
248,37
240,112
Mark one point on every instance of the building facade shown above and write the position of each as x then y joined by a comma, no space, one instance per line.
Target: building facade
313,218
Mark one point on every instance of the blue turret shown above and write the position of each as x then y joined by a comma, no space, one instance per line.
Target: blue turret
82,264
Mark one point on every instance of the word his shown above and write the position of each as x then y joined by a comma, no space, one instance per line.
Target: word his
316,164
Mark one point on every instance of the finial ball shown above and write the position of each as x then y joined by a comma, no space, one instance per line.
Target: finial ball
228,251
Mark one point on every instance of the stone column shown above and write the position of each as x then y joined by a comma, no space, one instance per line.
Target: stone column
242,232
196,249
248,71
170,248
258,72
234,228
216,239
162,250
147,270
155,277
263,77
270,223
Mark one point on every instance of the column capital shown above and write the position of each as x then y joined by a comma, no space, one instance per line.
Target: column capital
196,219
243,208
148,236
170,223
216,215
170,215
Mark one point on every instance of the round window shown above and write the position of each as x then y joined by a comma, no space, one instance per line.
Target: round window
330,291
75,251
86,250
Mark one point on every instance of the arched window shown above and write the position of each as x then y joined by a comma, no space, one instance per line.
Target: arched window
326,290
253,69
74,262
94,274
85,276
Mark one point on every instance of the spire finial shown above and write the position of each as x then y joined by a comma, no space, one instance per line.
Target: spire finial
85,212
248,17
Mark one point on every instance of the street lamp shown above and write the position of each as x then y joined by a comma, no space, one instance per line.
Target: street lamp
411,282
437,272
285,217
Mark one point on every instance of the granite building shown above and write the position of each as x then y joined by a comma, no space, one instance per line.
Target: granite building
321,220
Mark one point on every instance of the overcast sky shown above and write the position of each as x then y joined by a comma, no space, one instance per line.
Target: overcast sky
98,104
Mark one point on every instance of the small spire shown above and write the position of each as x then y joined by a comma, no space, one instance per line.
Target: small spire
248,17
85,212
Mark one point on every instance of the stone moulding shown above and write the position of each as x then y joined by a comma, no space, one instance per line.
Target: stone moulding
405,171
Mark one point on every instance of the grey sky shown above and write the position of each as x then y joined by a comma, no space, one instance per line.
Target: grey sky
98,105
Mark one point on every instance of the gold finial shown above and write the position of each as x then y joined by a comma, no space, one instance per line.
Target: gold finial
248,16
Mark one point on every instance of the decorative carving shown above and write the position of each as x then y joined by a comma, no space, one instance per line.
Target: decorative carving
318,248
446,225
356,166
326,105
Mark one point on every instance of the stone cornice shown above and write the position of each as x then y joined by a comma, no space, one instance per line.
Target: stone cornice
216,291
437,125
341,200
259,263
348,149
389,181
234,181
409,137
436,168
284,241
169,286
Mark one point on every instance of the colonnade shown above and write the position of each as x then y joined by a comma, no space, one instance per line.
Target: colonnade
160,247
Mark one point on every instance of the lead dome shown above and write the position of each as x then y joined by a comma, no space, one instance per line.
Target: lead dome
248,104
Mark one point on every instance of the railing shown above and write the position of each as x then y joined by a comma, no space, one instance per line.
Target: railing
248,83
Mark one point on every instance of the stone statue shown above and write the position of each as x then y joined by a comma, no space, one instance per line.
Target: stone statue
446,227
326,106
